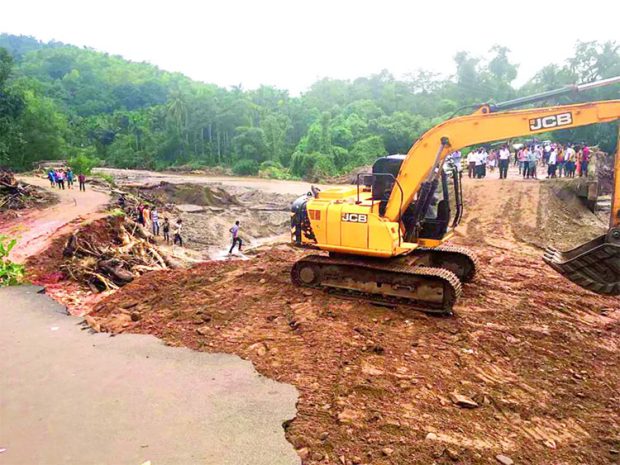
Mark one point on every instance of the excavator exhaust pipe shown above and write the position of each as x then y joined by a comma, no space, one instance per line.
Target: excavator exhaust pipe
594,265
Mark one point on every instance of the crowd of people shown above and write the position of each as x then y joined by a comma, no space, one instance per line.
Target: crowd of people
557,159
62,177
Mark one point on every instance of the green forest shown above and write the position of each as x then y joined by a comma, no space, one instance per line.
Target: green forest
59,101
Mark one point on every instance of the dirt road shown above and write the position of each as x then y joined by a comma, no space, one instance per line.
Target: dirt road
36,228
537,355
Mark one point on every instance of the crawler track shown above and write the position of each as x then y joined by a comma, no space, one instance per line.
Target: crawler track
460,260
432,290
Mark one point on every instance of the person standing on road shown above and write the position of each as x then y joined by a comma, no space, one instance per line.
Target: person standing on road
533,158
551,162
61,179
235,237
479,162
504,161
177,232
484,155
561,161
69,178
82,182
155,221
521,158
569,158
52,177
166,230
471,164
585,160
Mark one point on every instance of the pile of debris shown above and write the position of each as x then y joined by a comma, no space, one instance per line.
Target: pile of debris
15,195
107,263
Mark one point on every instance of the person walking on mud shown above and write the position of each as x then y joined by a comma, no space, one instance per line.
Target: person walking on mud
155,221
166,230
177,232
140,214
235,237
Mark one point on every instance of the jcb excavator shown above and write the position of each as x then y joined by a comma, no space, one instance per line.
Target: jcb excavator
385,236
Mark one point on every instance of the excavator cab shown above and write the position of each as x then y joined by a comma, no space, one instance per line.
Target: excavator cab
595,265
445,199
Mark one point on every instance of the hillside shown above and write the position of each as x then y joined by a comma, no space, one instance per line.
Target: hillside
61,101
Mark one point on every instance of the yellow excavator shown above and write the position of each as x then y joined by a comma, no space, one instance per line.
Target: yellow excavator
385,236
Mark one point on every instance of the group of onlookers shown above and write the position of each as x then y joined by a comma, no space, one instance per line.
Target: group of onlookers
59,177
559,160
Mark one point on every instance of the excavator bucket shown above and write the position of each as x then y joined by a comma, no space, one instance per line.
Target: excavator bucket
594,265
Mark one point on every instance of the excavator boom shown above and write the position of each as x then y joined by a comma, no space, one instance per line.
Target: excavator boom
481,127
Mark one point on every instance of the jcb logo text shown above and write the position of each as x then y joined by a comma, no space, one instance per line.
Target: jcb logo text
354,218
551,121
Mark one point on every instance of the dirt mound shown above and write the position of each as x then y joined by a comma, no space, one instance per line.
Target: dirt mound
563,219
383,386
533,354
167,193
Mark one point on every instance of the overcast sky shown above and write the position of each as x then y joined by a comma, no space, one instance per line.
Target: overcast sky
290,44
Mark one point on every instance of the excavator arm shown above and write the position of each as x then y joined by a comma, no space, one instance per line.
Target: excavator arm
594,265
429,151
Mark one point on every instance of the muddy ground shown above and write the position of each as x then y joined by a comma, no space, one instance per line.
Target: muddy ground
209,211
535,356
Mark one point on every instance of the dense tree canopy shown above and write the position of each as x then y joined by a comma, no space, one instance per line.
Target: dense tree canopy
61,101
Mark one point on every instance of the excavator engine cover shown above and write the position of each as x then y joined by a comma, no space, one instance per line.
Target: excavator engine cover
594,265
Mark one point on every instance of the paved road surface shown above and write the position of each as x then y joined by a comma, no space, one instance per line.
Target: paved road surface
71,397
35,230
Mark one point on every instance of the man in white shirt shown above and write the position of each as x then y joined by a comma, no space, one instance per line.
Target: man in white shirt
551,163
479,162
504,160
484,156
471,164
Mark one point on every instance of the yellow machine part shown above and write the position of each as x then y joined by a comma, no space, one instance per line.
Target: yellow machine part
341,224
